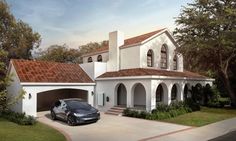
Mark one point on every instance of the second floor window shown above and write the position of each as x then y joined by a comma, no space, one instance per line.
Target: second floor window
90,59
164,57
99,59
150,58
175,63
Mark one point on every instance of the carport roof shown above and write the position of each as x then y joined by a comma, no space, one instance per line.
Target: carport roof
49,72
151,72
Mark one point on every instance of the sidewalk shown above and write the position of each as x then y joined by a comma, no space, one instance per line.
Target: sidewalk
203,133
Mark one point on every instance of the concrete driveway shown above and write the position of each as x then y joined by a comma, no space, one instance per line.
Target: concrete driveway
114,128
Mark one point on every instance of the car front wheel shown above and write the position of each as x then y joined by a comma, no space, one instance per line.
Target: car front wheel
71,120
53,115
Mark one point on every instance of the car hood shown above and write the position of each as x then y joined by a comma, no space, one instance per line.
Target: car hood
85,111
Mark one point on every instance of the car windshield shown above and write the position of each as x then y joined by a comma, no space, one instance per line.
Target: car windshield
75,104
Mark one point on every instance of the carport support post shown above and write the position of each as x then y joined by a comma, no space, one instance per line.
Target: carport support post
153,96
90,98
129,98
167,98
180,93
148,97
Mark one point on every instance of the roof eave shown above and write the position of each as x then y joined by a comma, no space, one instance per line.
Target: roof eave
155,77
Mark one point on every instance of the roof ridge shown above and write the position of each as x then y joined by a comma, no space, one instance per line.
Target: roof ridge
126,41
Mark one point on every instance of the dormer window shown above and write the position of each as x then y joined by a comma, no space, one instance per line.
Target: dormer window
164,56
175,62
99,59
90,59
150,58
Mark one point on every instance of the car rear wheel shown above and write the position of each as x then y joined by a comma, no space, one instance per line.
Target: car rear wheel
71,121
53,115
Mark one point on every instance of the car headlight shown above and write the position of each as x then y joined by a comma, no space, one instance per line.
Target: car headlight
78,114
98,112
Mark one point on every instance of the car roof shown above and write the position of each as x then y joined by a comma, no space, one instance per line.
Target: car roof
73,99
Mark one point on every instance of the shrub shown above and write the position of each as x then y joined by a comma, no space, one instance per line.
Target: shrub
19,118
164,111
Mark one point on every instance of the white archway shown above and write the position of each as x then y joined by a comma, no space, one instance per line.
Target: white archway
120,95
139,95
161,93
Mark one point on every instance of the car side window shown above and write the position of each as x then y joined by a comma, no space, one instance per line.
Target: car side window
57,104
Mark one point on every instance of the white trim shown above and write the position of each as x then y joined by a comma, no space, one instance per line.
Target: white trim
154,36
56,84
155,77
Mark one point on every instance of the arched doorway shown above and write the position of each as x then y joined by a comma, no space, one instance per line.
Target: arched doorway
121,95
159,94
187,92
175,92
139,96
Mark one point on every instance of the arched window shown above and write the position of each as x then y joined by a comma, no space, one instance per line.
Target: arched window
174,92
159,93
175,62
90,59
150,58
99,59
164,57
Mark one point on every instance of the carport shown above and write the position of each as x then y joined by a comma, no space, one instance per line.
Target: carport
46,99
41,96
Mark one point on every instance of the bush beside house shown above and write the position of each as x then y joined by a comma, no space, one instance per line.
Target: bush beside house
164,111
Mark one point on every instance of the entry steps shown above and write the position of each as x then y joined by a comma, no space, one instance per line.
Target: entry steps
116,110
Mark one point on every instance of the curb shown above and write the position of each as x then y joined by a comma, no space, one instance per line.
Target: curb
58,129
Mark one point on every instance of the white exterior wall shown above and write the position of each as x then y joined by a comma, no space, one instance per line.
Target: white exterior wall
105,57
155,45
129,57
116,39
109,88
15,89
29,106
94,69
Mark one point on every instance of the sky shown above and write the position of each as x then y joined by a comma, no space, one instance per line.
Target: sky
77,22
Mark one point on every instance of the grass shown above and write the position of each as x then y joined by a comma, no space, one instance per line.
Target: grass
203,117
10,131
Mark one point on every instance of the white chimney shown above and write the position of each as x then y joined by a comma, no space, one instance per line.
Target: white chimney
116,39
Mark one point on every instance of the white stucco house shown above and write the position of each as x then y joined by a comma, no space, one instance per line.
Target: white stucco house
138,72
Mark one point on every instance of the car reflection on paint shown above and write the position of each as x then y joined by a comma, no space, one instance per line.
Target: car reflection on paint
74,111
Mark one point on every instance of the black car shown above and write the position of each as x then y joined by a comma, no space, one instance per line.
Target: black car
74,111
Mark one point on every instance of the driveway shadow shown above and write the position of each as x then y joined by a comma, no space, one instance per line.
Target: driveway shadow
48,115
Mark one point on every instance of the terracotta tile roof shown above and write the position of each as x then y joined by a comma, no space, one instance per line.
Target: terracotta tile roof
127,42
47,72
140,38
149,72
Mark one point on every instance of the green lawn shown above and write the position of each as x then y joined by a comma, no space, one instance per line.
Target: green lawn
203,117
10,131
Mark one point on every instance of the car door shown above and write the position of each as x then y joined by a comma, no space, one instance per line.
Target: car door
63,109
59,109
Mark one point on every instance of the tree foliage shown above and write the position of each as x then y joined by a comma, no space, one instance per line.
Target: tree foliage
92,46
206,32
16,37
60,53
64,54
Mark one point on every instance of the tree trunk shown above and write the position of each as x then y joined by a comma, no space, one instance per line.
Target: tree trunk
228,87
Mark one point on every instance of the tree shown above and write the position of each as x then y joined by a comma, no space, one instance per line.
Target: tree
206,33
16,37
5,99
60,53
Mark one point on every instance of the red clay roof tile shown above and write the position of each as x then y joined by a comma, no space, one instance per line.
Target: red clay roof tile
50,72
127,42
149,72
